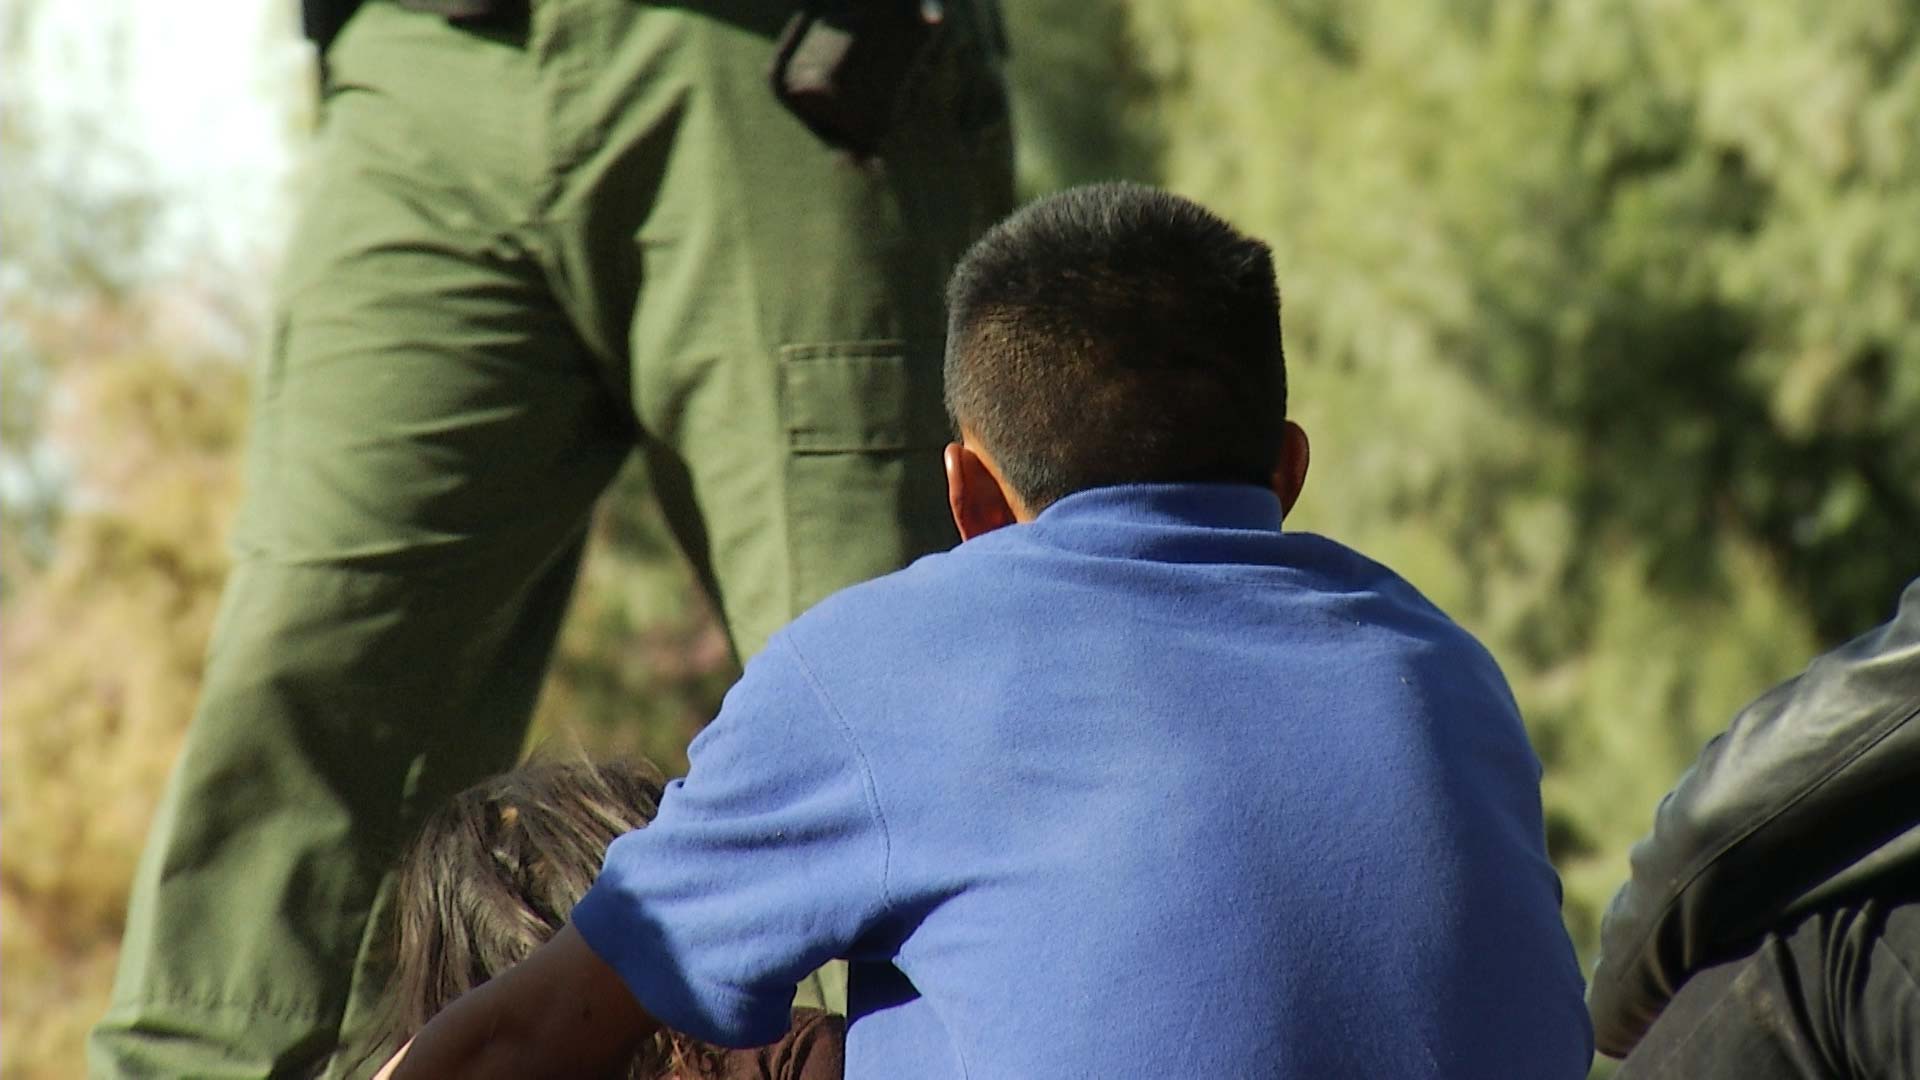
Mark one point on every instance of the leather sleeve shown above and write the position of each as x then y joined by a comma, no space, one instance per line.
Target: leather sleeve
1813,790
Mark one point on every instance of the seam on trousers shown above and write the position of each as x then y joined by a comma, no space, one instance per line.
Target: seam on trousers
215,1003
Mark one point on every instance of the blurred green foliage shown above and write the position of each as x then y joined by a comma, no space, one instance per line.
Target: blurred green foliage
1600,313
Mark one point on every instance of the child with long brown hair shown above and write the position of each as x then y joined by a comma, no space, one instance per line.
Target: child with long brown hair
494,873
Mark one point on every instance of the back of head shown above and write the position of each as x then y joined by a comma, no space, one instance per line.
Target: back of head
496,871
1117,334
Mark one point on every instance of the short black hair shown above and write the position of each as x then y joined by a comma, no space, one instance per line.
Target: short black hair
1117,334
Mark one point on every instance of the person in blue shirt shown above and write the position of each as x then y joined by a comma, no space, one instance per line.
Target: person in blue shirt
1131,783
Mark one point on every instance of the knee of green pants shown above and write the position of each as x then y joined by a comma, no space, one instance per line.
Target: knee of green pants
330,702
155,1040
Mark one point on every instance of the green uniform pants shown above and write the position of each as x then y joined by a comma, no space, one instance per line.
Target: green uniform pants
524,251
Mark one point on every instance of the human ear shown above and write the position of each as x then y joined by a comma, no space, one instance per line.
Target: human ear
974,496
1291,474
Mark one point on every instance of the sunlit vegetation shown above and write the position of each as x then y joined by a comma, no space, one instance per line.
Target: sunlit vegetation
1601,315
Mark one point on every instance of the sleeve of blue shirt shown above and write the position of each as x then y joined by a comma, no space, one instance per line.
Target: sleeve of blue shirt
766,861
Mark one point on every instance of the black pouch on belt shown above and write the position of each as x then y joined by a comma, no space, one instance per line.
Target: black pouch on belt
472,12
841,64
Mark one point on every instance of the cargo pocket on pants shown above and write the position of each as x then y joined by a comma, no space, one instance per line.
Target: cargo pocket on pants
864,491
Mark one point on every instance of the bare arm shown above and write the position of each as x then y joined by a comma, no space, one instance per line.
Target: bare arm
561,1012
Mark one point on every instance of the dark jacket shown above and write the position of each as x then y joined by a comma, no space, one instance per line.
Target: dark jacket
1812,793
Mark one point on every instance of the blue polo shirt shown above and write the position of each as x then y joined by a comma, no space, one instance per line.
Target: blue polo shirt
1145,787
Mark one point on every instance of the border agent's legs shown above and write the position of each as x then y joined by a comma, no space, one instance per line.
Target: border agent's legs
428,441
